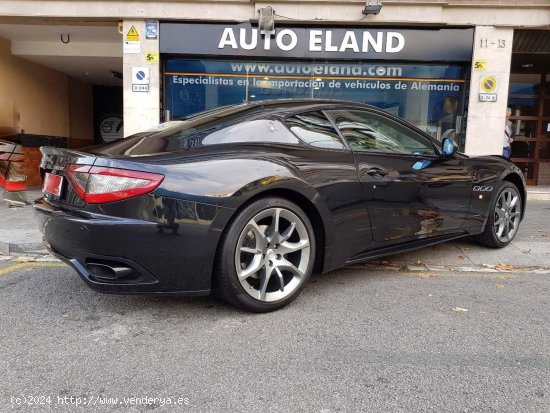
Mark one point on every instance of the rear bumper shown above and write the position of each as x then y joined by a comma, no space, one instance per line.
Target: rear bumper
126,256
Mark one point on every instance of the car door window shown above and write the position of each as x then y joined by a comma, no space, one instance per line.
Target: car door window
315,129
373,132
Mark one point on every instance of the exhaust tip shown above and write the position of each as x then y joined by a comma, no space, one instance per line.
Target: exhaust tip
104,271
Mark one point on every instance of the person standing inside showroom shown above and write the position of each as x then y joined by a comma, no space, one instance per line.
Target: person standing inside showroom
508,135
448,121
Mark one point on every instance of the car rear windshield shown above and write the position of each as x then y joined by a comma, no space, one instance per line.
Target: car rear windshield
236,124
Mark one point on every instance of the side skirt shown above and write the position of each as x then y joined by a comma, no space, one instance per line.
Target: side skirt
404,247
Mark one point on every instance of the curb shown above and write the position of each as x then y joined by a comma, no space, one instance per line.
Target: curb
9,248
538,193
538,196
424,269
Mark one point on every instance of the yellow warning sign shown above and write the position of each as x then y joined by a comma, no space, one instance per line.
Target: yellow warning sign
480,65
488,84
132,35
151,57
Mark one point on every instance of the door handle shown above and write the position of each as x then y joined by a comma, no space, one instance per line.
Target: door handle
376,172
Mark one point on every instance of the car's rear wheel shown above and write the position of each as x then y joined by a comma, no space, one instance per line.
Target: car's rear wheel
267,255
504,218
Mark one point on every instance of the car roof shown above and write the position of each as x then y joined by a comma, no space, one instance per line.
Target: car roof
288,106
281,107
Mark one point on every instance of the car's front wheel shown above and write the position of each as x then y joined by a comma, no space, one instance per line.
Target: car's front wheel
267,255
504,218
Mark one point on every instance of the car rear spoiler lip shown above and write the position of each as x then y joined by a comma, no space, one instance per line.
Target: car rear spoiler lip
51,158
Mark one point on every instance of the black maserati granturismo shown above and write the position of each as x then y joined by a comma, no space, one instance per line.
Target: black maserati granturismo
248,200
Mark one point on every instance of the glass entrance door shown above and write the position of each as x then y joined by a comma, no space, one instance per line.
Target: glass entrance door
529,99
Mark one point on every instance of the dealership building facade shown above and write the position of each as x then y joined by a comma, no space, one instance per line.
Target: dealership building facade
82,72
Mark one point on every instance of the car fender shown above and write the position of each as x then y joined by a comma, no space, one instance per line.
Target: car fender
257,178
489,172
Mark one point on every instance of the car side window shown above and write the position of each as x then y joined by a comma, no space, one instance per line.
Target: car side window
373,132
315,129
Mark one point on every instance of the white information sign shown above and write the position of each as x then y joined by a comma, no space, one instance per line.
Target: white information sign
131,46
140,79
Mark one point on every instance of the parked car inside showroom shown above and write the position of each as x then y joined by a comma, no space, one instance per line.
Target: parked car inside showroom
249,200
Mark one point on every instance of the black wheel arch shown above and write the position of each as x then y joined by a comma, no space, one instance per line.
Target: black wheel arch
518,181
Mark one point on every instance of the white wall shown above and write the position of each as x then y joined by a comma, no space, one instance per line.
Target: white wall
141,109
485,130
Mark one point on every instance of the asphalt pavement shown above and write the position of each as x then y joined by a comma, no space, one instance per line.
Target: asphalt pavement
355,340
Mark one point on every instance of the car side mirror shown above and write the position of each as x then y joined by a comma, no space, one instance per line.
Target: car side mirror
448,145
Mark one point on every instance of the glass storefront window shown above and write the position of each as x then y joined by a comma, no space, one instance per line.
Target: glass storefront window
525,128
524,106
528,169
523,149
544,151
525,84
429,96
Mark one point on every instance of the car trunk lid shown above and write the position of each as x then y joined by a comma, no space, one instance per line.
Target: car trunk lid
52,169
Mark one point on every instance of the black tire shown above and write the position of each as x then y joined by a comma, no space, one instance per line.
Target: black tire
489,236
226,281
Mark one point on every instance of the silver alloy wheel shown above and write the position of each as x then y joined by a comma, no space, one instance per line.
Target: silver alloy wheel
272,254
507,214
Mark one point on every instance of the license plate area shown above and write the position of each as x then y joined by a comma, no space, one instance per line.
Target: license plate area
52,184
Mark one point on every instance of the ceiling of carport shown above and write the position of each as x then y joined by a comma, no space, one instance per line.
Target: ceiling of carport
93,53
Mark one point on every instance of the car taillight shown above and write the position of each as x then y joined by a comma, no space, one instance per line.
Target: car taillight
96,184
12,172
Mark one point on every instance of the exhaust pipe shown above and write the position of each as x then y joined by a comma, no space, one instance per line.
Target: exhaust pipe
108,272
